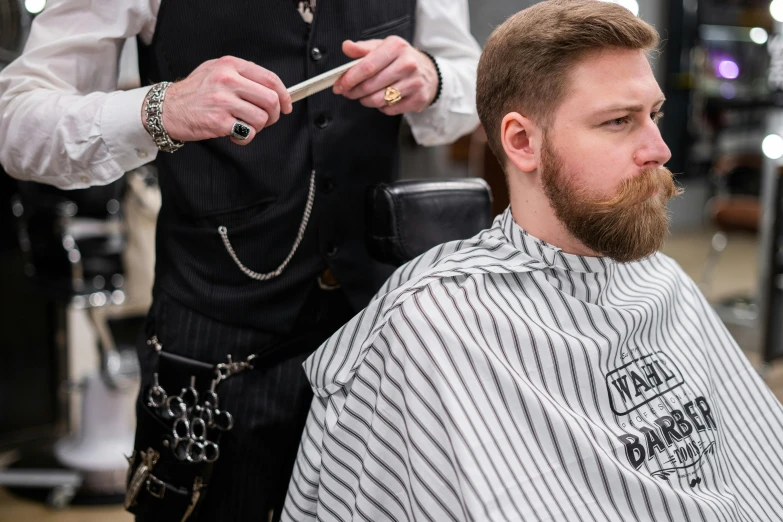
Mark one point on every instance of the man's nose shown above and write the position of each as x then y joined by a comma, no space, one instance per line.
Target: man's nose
653,151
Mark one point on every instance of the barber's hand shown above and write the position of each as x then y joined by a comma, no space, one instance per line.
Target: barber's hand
208,102
389,62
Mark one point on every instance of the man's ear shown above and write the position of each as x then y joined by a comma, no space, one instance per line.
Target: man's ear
521,141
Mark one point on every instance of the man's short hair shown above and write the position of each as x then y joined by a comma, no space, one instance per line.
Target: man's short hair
526,62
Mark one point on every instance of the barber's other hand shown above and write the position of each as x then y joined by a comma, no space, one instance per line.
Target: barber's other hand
217,93
389,62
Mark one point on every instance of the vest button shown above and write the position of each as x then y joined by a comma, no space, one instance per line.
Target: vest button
322,122
316,54
331,249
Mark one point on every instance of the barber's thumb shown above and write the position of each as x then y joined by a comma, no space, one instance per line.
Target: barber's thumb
358,49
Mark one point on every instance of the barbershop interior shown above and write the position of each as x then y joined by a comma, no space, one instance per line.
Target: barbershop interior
77,265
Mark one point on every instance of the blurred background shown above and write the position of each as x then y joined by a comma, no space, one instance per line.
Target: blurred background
76,267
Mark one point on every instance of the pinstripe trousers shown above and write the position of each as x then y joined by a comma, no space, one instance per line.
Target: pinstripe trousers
269,404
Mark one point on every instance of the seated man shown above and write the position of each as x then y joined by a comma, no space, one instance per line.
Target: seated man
556,366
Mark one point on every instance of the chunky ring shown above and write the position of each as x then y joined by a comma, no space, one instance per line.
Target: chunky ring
392,96
240,130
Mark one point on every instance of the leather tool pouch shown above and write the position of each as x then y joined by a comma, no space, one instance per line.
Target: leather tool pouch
167,487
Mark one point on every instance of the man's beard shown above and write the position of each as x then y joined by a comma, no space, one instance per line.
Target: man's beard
628,226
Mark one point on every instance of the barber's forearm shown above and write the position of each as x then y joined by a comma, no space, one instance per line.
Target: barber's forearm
51,130
72,141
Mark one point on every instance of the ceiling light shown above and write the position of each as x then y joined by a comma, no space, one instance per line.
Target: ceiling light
631,5
759,35
772,146
34,6
776,10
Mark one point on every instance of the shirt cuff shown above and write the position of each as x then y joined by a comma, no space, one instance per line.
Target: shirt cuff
129,143
452,116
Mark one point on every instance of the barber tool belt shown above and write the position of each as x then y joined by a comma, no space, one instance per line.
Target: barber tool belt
178,435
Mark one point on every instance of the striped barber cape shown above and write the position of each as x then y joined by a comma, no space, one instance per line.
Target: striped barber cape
499,378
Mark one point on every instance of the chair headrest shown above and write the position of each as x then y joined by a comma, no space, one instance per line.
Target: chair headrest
407,218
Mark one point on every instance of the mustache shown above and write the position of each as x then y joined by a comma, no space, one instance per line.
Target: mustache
640,188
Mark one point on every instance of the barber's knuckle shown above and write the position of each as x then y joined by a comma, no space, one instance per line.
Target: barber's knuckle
265,77
224,78
368,69
409,65
271,110
271,80
263,119
270,98
227,61
394,41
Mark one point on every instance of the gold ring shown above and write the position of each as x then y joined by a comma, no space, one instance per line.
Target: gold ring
392,96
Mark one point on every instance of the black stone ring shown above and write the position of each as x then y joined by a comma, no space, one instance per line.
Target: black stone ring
240,130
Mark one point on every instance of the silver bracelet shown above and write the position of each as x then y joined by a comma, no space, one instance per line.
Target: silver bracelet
153,111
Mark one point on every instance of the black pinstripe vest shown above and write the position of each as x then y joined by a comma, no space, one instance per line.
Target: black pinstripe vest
258,192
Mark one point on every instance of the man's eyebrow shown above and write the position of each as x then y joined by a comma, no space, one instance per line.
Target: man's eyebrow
628,108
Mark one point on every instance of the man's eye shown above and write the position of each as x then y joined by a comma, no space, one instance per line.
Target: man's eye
656,116
619,122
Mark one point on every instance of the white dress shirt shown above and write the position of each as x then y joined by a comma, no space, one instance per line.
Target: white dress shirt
63,122
499,378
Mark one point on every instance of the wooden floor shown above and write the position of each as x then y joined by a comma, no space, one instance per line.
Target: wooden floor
735,274
13,509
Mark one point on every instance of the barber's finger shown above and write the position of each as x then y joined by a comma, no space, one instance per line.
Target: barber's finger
268,79
391,75
373,63
360,49
403,107
262,97
250,114
246,140
411,90
247,113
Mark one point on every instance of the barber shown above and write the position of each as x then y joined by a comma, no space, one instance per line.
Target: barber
260,236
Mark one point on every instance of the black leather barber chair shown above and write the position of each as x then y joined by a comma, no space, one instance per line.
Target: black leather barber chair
72,240
407,218
73,243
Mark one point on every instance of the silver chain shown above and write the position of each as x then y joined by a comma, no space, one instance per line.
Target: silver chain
223,231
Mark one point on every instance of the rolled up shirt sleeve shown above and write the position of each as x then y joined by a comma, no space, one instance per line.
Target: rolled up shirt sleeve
62,121
443,30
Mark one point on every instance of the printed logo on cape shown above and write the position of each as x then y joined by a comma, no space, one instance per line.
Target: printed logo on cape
662,421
